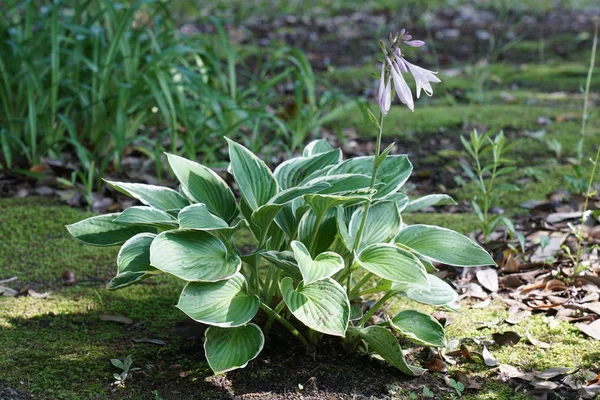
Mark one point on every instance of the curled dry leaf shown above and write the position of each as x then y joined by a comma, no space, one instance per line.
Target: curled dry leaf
508,338
488,277
517,316
488,358
436,364
555,285
537,343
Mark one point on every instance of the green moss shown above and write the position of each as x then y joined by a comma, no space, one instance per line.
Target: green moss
463,223
431,120
569,347
37,248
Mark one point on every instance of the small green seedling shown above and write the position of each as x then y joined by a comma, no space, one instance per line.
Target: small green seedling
124,366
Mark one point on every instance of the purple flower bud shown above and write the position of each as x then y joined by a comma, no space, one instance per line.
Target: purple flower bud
414,43
385,93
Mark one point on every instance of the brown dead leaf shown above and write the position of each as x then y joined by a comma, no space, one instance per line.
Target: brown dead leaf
510,281
592,330
39,168
508,338
488,277
436,364
114,318
509,262
555,285
463,378
488,358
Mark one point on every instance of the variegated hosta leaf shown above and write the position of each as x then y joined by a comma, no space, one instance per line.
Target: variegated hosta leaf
134,255
203,185
283,260
101,230
125,279
419,327
193,256
429,201
224,303
159,197
265,214
315,147
394,264
198,217
323,266
293,172
382,225
383,342
227,349
144,215
439,294
255,181
133,262
325,233
443,245
322,305
393,172
343,184
321,203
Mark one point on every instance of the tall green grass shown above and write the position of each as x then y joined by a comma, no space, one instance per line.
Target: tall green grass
97,78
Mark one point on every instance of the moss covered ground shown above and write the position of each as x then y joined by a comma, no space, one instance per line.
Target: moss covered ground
60,348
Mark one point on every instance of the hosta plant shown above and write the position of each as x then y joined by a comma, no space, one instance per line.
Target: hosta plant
328,232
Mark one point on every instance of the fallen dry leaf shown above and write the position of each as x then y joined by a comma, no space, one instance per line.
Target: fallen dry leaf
8,292
518,316
488,277
592,330
437,365
488,358
537,343
157,342
553,373
113,318
508,338
555,285
37,295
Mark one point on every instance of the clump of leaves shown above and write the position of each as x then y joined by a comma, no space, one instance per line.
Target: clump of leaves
325,228
316,251
125,367
488,164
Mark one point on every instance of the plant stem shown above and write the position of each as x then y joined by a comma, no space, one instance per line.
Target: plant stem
313,238
285,323
376,307
269,323
363,222
588,194
360,284
588,82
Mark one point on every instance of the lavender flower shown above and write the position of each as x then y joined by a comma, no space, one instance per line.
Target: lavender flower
397,65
